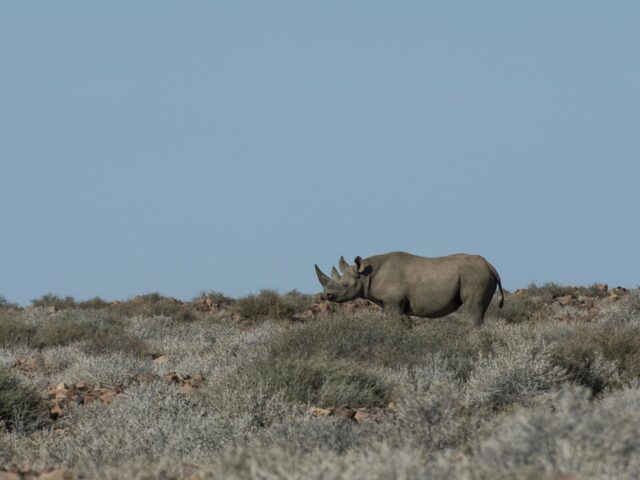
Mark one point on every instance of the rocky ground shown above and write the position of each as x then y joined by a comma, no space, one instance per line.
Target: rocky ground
293,387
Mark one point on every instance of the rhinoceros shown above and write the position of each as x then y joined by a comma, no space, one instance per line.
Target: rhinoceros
407,284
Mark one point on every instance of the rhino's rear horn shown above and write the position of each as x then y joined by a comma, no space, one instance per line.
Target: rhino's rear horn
322,277
334,274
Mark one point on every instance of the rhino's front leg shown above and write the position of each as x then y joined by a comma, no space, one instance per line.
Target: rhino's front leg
394,308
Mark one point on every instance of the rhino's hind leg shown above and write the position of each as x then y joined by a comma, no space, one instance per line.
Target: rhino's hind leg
476,312
476,302
476,292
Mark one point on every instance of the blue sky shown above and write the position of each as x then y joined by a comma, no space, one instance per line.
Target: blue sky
188,146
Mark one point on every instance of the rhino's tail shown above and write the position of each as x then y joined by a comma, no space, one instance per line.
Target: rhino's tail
495,274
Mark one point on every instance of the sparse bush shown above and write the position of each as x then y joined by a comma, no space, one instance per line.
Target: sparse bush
572,437
95,303
499,401
514,373
115,339
600,356
74,325
21,408
99,330
218,298
15,331
51,300
550,290
319,382
271,304
7,305
155,305
517,308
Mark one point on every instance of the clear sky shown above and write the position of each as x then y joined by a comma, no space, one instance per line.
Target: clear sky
188,146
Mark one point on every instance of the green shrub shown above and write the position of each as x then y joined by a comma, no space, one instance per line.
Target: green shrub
114,340
580,353
377,340
95,303
15,331
7,305
548,291
320,382
99,330
517,308
270,304
73,325
154,305
21,408
51,300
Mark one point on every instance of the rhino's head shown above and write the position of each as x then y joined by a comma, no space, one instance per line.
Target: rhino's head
347,287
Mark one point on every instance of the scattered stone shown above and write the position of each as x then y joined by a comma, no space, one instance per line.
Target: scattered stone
358,415
58,474
25,472
160,359
24,366
344,412
565,300
187,382
319,412
56,411
60,397
322,308
146,377
10,476
585,301
107,397
601,289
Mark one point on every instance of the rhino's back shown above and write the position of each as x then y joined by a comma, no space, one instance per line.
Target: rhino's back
407,264
430,284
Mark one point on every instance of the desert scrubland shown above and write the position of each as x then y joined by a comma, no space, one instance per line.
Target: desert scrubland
283,386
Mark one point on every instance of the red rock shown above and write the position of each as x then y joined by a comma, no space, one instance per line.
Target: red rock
58,474
107,397
9,476
319,412
56,411
344,412
360,415
565,300
161,359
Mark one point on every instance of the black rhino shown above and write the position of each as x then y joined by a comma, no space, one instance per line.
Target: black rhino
411,285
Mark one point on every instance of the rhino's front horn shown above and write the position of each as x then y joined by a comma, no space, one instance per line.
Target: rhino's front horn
322,277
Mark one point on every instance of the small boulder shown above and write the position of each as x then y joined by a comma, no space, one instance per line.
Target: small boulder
319,412
57,474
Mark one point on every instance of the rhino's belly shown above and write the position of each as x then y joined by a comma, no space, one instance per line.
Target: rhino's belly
434,308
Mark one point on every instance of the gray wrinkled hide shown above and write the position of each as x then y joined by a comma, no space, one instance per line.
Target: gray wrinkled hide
408,284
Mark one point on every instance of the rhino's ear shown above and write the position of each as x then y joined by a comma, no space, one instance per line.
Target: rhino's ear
322,277
362,268
344,266
334,274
